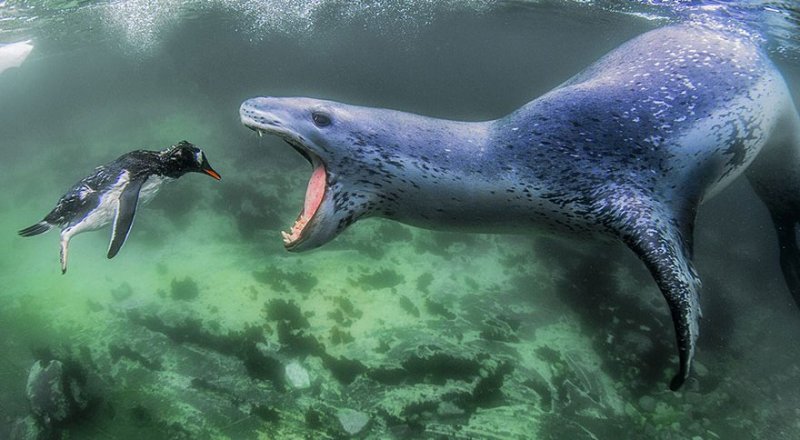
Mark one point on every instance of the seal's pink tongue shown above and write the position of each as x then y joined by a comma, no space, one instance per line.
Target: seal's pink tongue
314,195
315,191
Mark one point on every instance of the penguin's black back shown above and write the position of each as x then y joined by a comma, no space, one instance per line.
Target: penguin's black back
85,195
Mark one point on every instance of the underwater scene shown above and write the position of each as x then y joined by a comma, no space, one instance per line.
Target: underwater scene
209,322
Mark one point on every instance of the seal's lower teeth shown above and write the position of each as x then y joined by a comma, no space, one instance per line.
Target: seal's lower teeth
294,234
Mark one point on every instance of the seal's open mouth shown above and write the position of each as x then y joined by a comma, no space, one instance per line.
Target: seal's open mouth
315,192
290,119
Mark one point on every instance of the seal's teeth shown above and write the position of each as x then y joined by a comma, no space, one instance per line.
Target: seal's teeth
286,236
260,133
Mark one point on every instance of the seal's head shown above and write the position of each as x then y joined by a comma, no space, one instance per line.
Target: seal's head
330,136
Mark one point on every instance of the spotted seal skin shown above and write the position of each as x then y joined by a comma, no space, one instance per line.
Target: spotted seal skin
628,149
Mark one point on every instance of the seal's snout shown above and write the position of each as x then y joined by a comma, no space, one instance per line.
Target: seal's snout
254,105
261,103
251,113
264,115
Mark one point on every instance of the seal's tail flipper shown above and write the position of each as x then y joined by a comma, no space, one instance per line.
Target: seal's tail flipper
662,239
38,228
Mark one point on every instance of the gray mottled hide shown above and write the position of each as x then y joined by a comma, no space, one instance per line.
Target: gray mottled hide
628,148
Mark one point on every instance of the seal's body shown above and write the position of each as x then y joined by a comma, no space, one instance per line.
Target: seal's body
113,191
628,148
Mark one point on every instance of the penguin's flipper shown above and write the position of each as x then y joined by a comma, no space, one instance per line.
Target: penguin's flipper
126,210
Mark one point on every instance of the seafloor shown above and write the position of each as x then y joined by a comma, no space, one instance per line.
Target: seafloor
204,327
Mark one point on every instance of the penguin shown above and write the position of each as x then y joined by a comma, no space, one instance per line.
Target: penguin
113,191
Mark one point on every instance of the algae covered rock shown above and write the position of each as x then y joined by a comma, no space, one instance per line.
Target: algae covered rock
45,392
185,290
61,392
25,429
56,393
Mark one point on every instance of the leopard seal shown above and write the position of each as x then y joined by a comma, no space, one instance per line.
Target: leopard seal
628,149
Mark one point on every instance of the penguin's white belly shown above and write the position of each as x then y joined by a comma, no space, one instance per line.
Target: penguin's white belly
105,211
151,187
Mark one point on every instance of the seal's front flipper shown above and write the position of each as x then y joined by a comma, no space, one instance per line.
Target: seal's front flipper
777,185
123,220
789,253
669,265
660,240
775,177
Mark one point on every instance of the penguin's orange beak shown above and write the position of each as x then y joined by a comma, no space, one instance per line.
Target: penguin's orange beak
212,173
206,168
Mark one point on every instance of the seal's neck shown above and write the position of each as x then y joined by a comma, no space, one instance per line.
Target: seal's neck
436,173
422,152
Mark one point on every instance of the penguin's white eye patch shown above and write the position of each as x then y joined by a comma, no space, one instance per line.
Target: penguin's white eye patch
321,119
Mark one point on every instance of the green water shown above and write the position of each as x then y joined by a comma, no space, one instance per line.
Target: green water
188,332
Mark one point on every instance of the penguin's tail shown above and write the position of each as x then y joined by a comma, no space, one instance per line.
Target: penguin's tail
38,228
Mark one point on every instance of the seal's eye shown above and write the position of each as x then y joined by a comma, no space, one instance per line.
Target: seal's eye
321,119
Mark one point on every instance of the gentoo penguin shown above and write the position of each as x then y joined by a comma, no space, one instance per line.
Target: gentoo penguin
113,190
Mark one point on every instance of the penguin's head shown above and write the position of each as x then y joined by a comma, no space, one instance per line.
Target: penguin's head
183,158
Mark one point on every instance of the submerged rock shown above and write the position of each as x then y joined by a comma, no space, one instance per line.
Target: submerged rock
352,421
122,292
185,290
647,404
25,429
297,376
46,393
57,392
446,409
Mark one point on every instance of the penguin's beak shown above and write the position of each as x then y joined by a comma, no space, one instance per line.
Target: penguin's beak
206,168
